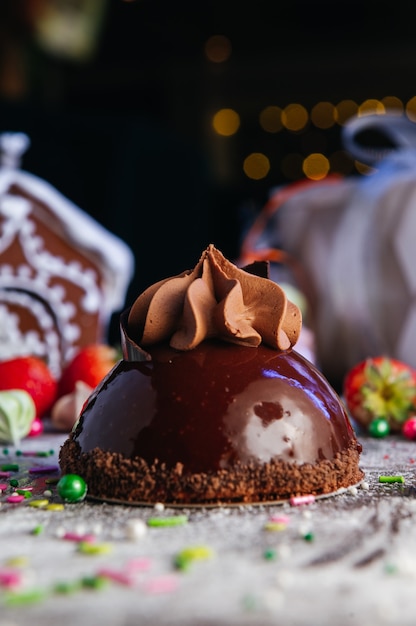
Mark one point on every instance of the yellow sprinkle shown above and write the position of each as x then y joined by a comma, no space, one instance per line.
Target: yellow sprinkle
275,526
197,553
94,548
17,561
55,507
39,504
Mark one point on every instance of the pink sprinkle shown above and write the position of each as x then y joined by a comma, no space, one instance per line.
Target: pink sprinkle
25,488
411,460
15,498
118,577
279,519
89,538
139,565
297,500
3,486
5,474
386,456
10,578
162,584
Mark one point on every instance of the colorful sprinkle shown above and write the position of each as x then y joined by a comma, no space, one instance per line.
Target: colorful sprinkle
94,582
94,548
72,488
270,554
38,504
309,536
135,529
116,576
275,526
9,467
379,427
67,587
69,536
297,500
391,479
139,565
15,498
174,520
38,530
190,554
24,492
34,453
162,584
280,519
10,578
55,506
25,597
45,469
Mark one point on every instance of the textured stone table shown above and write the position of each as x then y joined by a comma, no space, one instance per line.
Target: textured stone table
345,560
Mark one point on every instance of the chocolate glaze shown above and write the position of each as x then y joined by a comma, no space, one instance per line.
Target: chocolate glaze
215,405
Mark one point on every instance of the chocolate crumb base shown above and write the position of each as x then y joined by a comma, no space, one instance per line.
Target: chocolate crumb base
111,476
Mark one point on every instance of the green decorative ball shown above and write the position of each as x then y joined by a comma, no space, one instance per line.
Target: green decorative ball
72,488
379,427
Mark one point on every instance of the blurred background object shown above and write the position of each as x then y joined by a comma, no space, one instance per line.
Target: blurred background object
170,122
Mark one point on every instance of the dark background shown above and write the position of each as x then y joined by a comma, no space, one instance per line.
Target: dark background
125,132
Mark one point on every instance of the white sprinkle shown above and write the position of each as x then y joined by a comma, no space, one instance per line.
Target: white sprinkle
60,531
47,493
159,506
364,485
353,490
307,514
135,529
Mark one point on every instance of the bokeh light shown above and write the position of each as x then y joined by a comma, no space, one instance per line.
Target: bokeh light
344,110
295,117
218,49
393,104
316,166
323,115
226,122
371,107
411,109
256,166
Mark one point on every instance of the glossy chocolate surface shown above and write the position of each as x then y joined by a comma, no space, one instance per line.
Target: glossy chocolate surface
215,405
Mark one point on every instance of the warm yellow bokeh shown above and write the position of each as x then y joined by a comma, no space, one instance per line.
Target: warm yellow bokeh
323,115
226,122
344,110
295,117
371,107
256,166
316,166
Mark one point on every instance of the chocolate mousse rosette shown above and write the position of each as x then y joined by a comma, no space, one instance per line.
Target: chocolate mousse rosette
211,403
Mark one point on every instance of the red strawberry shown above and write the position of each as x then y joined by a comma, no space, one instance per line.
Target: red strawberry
33,375
90,364
380,387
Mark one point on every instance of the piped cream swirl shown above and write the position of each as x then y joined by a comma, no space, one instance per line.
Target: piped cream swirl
215,299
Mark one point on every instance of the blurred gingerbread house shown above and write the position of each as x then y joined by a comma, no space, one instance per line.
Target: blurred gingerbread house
62,274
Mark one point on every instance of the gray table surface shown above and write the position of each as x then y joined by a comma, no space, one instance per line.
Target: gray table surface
346,560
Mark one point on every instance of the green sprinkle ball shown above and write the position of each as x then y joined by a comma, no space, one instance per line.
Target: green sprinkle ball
379,427
72,488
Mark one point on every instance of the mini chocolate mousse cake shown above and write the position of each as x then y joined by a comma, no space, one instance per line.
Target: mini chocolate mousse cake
211,404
